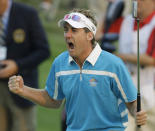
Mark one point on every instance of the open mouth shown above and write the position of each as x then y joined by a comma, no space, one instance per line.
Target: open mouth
71,45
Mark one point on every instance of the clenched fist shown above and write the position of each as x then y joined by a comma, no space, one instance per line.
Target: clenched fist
16,84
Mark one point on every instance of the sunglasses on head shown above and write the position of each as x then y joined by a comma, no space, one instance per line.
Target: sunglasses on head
83,20
73,17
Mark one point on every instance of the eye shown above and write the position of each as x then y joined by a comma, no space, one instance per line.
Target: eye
65,29
74,30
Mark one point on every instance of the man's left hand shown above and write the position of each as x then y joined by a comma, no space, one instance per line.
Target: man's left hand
141,118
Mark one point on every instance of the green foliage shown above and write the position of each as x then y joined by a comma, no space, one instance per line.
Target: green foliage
48,119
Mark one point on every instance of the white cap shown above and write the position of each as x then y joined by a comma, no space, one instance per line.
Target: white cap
78,20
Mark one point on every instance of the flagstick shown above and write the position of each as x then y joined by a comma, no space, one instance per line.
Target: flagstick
135,15
138,71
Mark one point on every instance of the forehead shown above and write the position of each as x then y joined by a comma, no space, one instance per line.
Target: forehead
68,26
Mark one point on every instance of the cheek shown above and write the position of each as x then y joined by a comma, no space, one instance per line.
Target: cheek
82,37
80,42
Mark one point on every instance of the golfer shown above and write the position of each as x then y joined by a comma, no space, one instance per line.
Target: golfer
96,84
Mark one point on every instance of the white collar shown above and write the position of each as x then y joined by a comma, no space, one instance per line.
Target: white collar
92,58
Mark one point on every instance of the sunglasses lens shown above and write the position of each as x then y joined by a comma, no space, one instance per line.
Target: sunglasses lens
66,17
76,18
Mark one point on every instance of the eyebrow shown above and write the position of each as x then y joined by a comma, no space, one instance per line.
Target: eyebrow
73,28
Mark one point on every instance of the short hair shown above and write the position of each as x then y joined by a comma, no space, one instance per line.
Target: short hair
90,15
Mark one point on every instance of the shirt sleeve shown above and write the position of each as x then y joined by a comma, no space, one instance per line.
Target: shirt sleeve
124,87
53,86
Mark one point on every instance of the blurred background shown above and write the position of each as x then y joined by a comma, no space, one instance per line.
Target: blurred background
50,119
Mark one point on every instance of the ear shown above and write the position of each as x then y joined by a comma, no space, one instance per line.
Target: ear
90,36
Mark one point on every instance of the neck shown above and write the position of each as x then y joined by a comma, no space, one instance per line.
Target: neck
81,59
80,63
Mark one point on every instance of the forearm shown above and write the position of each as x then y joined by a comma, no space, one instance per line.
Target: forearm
132,107
39,96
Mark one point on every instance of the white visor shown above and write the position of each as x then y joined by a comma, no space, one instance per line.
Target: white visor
78,20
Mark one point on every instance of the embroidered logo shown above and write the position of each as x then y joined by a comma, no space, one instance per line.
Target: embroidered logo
19,35
93,82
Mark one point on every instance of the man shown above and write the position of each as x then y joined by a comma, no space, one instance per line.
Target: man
23,47
95,83
128,52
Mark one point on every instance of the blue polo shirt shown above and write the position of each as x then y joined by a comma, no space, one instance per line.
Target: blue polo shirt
96,95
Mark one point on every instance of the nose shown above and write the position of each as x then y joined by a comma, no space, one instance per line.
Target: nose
68,34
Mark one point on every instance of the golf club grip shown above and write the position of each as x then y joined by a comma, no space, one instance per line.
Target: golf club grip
138,102
138,105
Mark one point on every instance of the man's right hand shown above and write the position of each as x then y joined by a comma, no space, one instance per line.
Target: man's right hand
16,84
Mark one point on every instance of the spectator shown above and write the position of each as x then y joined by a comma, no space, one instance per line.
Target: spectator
114,12
128,52
110,7
46,4
49,8
24,47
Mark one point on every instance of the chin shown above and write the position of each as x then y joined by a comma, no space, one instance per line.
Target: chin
71,54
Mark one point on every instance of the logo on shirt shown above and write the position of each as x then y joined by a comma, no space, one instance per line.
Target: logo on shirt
93,82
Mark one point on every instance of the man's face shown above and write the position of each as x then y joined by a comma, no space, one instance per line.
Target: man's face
3,6
78,42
